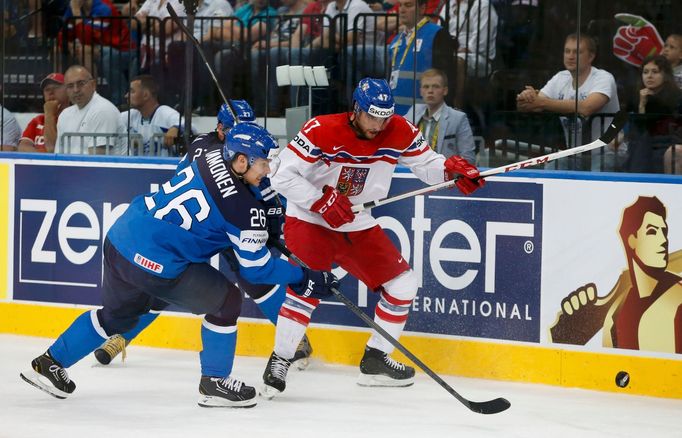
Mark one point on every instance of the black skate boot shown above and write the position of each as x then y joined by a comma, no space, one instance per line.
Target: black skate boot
48,375
110,349
302,356
228,392
275,376
378,369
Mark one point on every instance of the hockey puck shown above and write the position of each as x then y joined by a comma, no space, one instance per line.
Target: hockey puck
622,379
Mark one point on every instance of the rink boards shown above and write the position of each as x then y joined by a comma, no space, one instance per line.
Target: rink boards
495,268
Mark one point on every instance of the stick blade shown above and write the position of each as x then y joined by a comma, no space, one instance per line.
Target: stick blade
489,407
614,128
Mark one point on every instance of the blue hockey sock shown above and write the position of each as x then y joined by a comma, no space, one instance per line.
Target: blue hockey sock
80,339
219,344
271,302
142,324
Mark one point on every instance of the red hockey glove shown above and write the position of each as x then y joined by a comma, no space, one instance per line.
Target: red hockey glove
634,42
468,177
334,207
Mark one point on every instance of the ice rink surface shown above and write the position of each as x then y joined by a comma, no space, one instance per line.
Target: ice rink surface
154,394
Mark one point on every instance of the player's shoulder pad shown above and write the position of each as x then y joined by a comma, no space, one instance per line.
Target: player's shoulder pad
404,133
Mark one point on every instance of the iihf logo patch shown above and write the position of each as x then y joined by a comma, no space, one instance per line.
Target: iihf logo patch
148,264
352,180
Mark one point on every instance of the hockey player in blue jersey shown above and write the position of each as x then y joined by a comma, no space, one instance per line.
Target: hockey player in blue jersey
159,249
269,298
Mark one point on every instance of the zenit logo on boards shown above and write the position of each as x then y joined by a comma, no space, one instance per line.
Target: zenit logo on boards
62,214
479,258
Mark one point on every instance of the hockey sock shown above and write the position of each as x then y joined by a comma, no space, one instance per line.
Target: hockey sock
287,337
391,315
294,317
271,302
217,355
142,324
80,339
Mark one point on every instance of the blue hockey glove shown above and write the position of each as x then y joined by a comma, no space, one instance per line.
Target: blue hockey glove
316,284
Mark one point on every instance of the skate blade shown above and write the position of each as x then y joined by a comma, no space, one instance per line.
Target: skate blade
381,380
207,401
35,379
268,392
302,363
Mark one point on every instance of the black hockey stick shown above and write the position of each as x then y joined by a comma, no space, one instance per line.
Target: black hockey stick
485,407
606,138
177,20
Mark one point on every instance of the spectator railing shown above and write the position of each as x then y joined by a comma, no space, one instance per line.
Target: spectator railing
123,143
76,143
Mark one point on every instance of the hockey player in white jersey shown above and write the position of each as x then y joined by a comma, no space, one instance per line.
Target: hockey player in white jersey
336,161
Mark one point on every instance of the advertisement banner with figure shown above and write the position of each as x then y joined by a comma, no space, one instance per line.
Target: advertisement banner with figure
613,270
519,261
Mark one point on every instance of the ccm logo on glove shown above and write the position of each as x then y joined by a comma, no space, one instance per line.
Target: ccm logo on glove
468,177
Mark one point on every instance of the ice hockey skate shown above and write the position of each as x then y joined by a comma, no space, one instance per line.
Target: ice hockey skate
275,376
110,349
302,356
49,376
227,392
378,369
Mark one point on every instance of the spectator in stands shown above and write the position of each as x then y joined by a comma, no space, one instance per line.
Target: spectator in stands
519,26
597,94
446,129
101,41
280,54
10,133
152,16
433,49
369,47
474,25
309,31
89,114
40,134
652,131
258,10
208,18
672,50
159,125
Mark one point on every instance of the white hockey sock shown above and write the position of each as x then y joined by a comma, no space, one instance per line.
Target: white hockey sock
377,341
287,336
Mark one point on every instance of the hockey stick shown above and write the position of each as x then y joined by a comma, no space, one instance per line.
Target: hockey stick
606,138
485,407
197,46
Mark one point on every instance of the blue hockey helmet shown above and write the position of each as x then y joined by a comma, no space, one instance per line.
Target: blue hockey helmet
241,108
250,139
374,97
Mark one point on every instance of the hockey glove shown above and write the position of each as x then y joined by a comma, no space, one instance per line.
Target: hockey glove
334,207
315,284
468,177
636,41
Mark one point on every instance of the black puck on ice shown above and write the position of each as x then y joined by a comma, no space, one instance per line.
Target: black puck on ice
622,379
